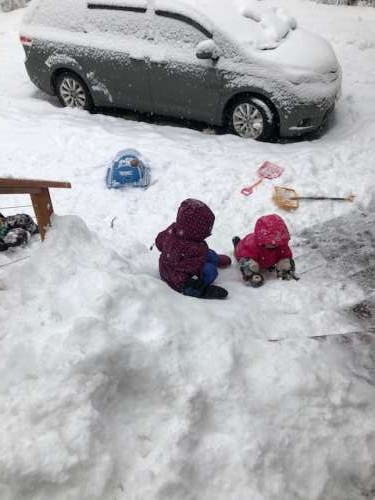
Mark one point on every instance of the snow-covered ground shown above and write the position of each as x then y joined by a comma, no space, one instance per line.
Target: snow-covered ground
112,386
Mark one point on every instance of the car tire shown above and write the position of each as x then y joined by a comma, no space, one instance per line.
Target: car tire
72,91
251,118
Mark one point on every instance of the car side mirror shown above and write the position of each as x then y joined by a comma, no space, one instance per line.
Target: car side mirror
208,50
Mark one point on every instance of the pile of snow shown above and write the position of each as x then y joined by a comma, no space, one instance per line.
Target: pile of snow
114,386
275,22
55,364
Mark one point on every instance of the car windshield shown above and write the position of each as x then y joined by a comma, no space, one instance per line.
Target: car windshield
247,22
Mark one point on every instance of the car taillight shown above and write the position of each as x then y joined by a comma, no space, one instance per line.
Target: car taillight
26,41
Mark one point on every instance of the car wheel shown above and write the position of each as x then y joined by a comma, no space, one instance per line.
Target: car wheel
251,118
73,92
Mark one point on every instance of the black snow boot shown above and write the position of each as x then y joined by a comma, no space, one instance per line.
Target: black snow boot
235,241
3,246
197,288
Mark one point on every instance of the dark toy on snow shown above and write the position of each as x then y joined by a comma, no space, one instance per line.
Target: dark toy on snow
16,230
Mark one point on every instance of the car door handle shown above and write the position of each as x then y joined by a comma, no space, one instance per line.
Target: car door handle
159,60
143,59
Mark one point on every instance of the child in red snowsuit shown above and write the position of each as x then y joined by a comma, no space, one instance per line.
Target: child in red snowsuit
265,248
186,263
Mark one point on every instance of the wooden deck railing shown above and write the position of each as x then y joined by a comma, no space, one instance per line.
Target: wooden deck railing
40,197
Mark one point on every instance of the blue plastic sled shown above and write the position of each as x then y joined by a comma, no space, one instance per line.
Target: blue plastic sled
128,169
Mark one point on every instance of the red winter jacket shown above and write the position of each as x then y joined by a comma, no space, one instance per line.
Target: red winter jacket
269,230
182,246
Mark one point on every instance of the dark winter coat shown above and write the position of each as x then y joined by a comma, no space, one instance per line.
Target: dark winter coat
269,230
182,246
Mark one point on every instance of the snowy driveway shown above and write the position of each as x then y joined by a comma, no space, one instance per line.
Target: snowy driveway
112,385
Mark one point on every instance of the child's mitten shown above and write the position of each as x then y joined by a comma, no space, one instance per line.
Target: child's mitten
256,280
224,261
235,241
285,269
250,273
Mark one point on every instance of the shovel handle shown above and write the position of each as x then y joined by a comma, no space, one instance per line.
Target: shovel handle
348,198
246,191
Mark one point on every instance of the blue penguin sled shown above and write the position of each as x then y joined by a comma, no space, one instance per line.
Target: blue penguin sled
128,168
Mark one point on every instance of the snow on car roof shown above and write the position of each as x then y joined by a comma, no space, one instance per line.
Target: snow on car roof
247,21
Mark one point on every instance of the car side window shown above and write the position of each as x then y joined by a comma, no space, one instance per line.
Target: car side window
178,31
107,18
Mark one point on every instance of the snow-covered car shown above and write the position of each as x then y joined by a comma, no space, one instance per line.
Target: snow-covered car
225,62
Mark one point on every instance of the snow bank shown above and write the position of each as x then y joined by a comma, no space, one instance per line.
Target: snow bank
59,356
113,384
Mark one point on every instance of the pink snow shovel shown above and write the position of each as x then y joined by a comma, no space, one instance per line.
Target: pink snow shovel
267,170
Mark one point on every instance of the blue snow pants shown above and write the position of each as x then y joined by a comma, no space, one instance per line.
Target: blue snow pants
210,272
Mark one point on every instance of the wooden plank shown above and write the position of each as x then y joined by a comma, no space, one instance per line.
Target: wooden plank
43,209
32,183
18,190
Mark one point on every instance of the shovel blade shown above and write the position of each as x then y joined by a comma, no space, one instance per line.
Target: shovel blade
269,170
286,198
